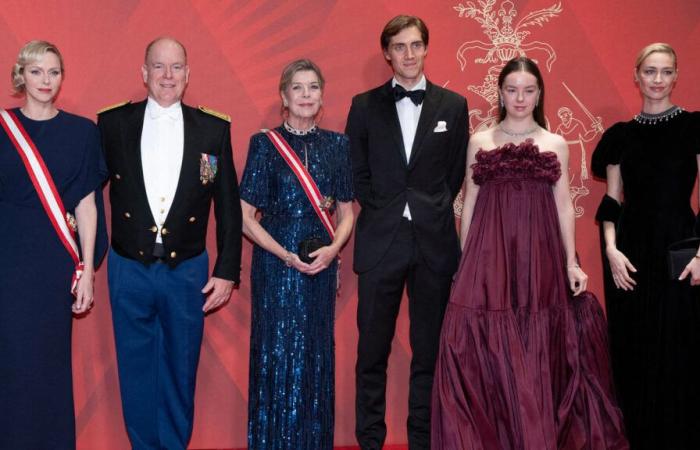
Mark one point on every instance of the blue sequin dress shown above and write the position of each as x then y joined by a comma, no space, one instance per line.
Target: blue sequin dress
291,389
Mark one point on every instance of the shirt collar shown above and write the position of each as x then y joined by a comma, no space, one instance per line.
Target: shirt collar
155,111
420,85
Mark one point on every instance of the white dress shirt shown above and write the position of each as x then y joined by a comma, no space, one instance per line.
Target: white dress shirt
162,142
409,114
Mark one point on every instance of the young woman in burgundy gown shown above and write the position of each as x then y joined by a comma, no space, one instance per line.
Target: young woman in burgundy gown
523,361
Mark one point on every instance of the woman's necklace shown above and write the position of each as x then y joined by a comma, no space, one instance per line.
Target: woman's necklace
516,134
298,132
653,119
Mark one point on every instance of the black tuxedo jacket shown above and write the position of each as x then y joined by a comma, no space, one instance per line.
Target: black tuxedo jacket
385,181
185,228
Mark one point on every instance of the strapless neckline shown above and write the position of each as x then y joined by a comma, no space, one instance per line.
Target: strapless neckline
516,161
528,143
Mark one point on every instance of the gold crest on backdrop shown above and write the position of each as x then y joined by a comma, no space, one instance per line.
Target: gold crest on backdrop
508,38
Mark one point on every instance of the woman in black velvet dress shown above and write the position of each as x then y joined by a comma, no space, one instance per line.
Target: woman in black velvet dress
651,164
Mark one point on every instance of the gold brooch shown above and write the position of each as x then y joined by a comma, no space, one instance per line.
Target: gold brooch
327,203
72,223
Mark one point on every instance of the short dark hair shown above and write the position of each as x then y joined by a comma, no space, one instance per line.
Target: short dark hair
524,64
400,23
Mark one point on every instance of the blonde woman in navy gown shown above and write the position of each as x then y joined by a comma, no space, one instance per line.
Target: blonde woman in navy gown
651,164
291,390
523,361
36,305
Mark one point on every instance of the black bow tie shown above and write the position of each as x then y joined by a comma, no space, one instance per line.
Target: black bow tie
416,96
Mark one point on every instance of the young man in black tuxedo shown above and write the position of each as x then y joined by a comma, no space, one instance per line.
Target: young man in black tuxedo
408,139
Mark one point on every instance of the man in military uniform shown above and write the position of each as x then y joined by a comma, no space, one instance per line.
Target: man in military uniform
167,161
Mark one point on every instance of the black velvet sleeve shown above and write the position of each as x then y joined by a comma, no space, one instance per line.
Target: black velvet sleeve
609,150
609,210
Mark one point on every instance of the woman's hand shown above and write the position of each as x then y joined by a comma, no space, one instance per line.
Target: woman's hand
84,292
578,280
292,260
620,267
323,257
693,268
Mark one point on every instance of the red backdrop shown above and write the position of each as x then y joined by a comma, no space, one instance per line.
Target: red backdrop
236,52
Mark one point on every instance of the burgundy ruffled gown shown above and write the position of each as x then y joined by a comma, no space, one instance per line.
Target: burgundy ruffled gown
522,364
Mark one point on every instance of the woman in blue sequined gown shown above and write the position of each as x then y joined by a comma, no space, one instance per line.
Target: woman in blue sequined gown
36,305
291,389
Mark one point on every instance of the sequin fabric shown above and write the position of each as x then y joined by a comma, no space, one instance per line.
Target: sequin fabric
291,386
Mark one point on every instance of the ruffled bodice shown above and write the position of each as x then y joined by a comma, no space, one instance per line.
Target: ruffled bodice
510,161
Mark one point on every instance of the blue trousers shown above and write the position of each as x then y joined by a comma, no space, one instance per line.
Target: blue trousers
158,326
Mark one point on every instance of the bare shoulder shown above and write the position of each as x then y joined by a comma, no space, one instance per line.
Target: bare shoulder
553,142
482,140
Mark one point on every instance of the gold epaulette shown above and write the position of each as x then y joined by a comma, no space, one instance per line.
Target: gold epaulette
111,107
221,116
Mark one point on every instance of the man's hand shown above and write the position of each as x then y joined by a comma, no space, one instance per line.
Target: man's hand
218,291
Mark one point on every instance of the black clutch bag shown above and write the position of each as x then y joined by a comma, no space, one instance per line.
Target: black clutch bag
309,245
679,255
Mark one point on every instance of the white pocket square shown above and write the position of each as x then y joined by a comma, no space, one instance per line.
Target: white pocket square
441,127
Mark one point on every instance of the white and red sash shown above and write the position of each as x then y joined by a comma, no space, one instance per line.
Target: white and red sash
45,187
308,183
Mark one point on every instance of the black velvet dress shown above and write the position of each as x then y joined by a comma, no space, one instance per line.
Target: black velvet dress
655,328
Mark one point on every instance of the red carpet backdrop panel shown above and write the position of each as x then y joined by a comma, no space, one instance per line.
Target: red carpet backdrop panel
586,50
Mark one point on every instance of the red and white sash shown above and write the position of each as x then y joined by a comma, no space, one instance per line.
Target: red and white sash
308,183
45,187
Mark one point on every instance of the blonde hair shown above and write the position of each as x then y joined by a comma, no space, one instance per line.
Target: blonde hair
656,47
31,52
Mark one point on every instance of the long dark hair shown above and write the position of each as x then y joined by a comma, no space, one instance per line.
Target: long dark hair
523,64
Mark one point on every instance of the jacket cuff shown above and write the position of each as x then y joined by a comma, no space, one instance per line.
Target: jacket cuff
609,210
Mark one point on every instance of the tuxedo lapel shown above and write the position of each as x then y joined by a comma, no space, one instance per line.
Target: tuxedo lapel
131,129
189,170
388,105
426,122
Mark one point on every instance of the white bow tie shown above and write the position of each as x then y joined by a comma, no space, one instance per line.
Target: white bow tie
172,112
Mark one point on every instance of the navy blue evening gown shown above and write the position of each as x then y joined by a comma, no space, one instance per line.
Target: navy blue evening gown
36,391
291,390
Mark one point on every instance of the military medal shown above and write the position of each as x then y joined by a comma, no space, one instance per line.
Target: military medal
207,168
